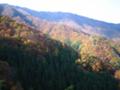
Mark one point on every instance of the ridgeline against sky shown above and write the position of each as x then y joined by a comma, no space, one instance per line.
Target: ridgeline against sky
105,10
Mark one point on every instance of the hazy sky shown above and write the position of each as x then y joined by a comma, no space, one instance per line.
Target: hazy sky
105,10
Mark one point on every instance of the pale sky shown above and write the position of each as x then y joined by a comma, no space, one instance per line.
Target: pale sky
105,10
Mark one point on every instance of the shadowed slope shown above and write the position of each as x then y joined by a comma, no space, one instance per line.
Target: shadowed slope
40,63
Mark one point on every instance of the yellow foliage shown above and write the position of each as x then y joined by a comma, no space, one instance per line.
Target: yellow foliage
78,61
97,66
27,41
117,74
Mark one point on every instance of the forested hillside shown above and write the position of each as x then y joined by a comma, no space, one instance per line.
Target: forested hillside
87,36
57,51
30,60
79,23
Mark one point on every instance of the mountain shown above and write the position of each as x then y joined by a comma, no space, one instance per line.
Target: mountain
90,38
40,19
57,51
29,60
84,24
27,56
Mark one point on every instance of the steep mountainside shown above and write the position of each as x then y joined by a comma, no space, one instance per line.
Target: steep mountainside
40,19
29,60
57,51
81,33
85,24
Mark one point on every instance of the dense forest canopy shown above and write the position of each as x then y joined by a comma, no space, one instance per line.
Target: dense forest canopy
56,56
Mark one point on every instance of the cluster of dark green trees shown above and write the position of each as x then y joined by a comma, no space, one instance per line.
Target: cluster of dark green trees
51,70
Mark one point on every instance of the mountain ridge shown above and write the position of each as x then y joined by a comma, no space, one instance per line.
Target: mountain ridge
84,38
56,55
87,25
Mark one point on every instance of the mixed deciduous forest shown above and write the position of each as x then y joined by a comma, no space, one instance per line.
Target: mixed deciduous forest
26,64
36,54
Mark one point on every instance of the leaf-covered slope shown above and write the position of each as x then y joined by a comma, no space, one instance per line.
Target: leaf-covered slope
43,64
66,29
85,24
88,25
86,44
32,60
